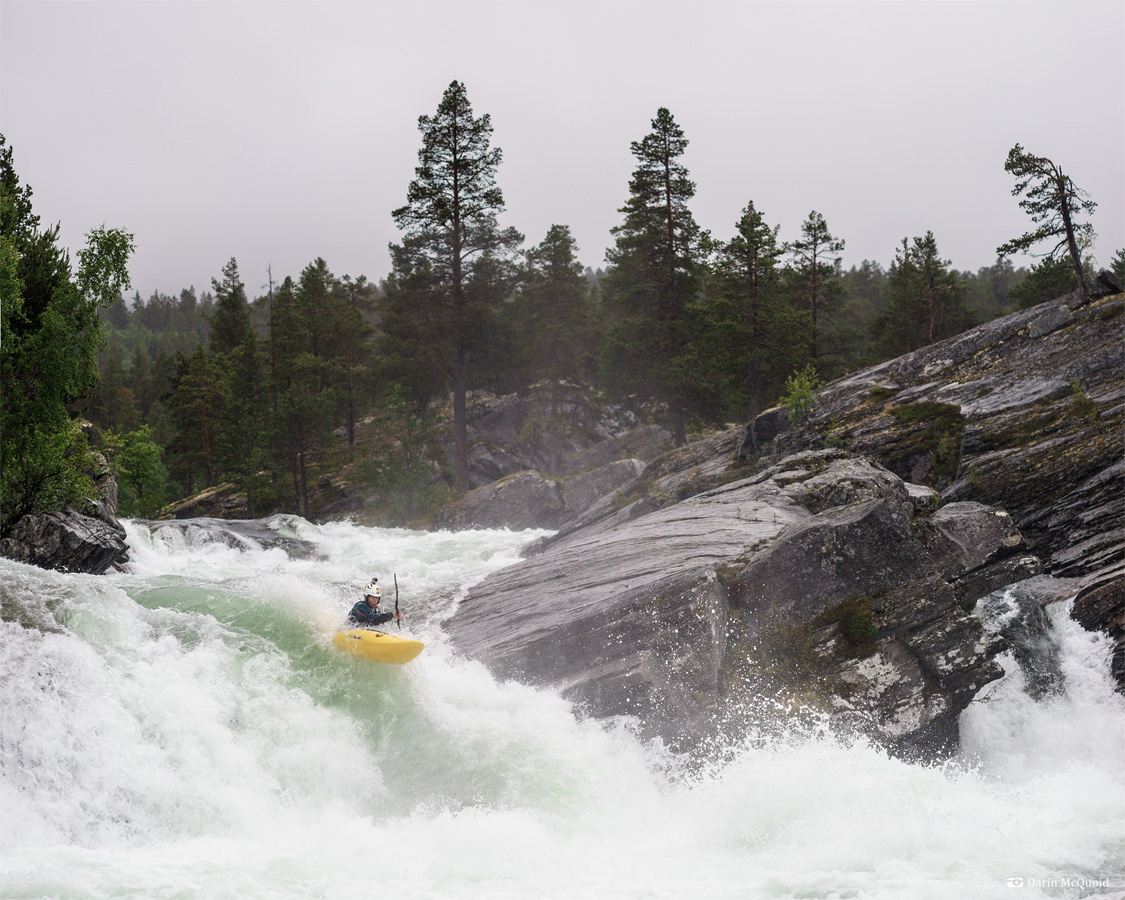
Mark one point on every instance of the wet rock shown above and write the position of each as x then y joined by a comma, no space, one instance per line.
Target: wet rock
805,578
645,443
68,541
584,490
1101,607
965,536
281,531
523,500
1025,413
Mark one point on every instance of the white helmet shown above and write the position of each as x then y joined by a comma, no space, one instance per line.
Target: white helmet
373,590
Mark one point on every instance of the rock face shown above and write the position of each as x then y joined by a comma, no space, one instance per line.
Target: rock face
506,436
67,541
522,500
70,540
833,566
599,459
678,615
1026,413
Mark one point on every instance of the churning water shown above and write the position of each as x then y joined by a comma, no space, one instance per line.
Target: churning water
187,730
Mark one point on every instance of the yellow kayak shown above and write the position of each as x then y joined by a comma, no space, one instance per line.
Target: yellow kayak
377,645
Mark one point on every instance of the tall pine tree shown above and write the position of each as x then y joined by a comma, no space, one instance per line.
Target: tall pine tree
654,276
926,300
453,250
556,319
1054,203
230,319
815,280
752,322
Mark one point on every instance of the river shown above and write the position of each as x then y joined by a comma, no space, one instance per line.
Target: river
185,729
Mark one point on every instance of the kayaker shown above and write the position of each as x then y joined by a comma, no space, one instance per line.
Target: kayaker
366,611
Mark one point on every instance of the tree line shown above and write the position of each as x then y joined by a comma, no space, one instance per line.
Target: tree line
681,327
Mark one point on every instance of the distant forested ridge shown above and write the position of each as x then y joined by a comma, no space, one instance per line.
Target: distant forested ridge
683,328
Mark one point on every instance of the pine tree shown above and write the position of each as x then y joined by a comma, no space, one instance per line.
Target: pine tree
1048,279
453,250
926,300
230,320
816,279
355,335
654,277
1053,201
747,284
556,317
195,404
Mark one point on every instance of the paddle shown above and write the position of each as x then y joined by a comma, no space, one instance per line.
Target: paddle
396,602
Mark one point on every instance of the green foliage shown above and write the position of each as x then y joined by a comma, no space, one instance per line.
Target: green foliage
1054,202
926,301
52,333
653,280
454,265
230,321
858,628
939,434
1117,266
1081,405
800,387
814,280
409,444
45,469
987,291
746,323
142,482
1048,279
556,333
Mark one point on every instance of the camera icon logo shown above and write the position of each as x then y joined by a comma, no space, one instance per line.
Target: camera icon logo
1015,882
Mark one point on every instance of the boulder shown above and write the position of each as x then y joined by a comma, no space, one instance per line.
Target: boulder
645,443
584,490
1101,607
806,579
68,541
522,500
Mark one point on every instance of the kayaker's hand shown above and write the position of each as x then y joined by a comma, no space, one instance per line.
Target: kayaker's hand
398,615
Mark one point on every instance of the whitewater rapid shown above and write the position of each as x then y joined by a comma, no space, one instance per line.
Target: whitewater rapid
185,729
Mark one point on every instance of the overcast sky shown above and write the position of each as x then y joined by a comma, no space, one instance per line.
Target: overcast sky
279,132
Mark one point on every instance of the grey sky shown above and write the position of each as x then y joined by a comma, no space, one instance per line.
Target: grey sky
280,132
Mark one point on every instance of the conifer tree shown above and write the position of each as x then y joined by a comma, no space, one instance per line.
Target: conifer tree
355,334
815,258
1054,202
453,251
654,276
926,300
230,319
746,289
1048,279
195,406
304,407
556,318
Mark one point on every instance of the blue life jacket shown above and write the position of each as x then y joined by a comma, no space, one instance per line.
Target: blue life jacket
365,615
